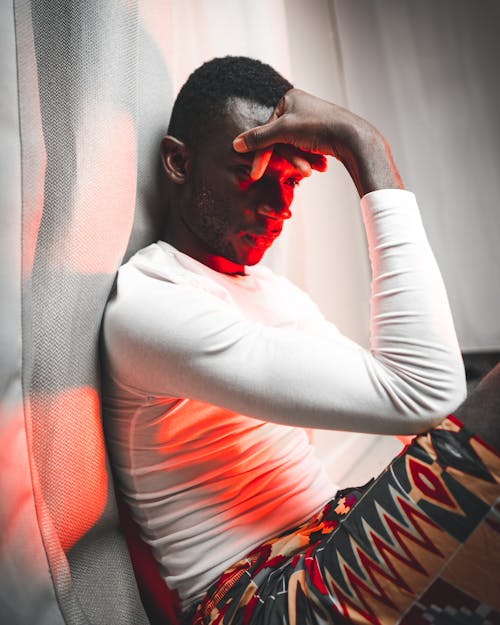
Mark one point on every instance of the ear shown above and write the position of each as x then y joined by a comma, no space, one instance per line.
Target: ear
176,159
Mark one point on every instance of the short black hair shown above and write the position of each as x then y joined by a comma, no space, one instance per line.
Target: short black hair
202,99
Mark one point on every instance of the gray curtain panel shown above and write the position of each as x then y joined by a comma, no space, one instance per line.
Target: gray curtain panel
81,88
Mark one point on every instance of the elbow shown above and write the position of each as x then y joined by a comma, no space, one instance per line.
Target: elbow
442,407
451,388
422,397
439,396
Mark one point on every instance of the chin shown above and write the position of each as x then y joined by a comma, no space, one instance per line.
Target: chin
254,258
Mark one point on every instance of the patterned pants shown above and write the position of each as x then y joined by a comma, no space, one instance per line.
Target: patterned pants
418,545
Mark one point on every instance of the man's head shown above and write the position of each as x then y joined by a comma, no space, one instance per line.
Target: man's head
204,98
218,214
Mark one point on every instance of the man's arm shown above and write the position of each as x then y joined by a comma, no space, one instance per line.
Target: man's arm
178,340
314,125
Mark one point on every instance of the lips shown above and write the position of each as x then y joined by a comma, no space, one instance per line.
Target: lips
258,239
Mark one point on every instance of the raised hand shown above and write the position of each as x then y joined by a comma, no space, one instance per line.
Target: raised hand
315,127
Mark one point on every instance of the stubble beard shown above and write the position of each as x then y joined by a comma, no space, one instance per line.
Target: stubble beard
214,223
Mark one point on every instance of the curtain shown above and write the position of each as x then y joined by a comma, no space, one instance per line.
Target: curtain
426,73
71,70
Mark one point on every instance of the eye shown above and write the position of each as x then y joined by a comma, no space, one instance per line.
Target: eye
292,182
243,171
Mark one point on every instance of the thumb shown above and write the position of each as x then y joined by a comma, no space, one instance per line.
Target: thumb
260,162
259,137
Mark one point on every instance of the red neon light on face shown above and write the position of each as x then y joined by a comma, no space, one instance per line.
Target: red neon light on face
235,218
230,219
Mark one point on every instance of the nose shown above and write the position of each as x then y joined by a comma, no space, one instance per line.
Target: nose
274,199
266,210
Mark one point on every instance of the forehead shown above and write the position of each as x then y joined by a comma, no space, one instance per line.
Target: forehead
239,115
243,114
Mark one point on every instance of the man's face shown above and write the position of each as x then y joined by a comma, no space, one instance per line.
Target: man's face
231,216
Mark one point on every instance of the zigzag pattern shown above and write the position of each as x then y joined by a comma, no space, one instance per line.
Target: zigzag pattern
388,581
387,550
394,552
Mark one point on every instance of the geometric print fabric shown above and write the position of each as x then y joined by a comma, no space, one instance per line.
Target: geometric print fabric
418,545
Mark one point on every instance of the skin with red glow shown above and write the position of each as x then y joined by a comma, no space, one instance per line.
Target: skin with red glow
217,213
316,126
231,195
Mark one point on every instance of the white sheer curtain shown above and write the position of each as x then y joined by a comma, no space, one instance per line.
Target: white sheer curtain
427,73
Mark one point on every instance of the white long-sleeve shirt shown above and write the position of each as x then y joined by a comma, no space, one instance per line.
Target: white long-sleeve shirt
208,375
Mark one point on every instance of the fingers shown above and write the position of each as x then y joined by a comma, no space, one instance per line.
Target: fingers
268,137
318,161
257,138
261,137
302,165
304,162
260,163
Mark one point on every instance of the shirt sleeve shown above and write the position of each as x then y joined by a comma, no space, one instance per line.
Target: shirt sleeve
179,341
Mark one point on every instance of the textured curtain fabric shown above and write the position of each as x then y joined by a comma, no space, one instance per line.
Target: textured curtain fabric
71,71
23,563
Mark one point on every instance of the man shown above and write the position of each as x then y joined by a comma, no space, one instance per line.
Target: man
214,365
